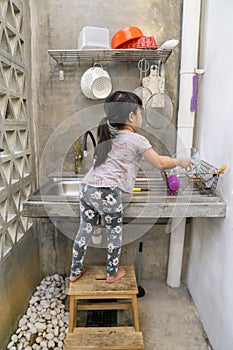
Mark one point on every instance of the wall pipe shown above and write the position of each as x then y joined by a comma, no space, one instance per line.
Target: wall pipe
185,123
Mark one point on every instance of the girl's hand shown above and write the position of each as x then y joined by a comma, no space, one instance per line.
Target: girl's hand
185,163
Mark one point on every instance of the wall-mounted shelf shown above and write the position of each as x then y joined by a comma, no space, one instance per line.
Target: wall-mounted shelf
127,55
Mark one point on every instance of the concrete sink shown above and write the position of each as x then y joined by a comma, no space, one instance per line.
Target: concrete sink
58,189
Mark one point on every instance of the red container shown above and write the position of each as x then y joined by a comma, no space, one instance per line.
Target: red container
147,42
126,38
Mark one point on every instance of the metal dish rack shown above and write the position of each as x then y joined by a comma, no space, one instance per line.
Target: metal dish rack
200,178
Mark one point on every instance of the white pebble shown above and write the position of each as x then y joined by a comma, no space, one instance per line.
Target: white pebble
61,323
62,336
47,316
39,340
20,346
34,300
57,277
53,305
54,321
56,331
44,303
50,336
33,330
44,344
28,336
66,319
22,321
29,325
24,328
60,344
10,345
28,347
39,307
14,338
51,344
49,330
40,326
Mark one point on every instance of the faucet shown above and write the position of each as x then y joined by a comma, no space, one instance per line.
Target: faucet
88,132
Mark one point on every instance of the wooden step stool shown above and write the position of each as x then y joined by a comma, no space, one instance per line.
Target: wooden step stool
92,285
104,338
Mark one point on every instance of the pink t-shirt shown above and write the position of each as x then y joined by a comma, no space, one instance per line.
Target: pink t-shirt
121,166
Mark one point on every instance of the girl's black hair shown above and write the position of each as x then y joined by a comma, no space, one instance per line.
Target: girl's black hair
117,108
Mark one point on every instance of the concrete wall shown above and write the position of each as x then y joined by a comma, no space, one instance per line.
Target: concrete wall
210,267
57,26
20,269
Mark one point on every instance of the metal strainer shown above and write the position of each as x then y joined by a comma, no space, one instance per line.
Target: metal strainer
158,115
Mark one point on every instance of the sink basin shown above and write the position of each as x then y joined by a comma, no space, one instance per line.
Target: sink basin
63,188
60,189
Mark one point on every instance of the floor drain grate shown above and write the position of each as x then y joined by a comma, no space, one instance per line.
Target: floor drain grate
101,318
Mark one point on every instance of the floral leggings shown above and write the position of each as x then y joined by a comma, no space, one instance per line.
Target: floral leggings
95,201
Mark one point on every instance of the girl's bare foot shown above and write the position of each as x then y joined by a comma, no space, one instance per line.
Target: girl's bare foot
120,273
75,278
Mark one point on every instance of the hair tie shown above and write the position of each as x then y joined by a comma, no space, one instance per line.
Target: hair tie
109,125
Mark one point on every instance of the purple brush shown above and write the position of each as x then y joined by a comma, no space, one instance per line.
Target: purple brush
193,106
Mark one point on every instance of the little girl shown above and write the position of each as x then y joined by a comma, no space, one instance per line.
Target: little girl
117,156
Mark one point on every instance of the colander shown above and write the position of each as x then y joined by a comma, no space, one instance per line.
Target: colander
96,83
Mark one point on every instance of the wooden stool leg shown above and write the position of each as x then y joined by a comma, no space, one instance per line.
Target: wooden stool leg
72,317
135,312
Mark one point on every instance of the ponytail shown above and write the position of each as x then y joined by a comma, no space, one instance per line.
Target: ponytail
104,142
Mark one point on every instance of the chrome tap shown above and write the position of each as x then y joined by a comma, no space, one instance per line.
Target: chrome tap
88,132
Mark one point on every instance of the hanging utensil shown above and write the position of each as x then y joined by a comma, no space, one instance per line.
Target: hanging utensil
158,101
141,91
151,82
193,104
159,107
158,117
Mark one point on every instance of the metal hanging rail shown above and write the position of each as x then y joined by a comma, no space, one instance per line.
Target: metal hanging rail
126,55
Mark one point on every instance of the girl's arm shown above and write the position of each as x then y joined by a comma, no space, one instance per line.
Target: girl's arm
163,162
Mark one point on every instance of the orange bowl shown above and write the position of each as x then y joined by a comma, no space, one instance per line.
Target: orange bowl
125,35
